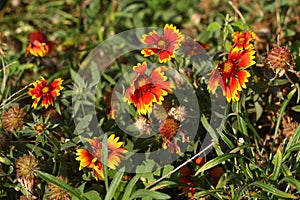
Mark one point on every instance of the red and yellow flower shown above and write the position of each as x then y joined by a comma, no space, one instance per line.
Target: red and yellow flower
38,44
164,45
92,159
45,92
148,89
231,74
243,40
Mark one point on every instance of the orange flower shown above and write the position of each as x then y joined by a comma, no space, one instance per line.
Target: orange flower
187,185
230,74
46,92
38,44
92,159
215,173
164,45
148,89
243,40
200,161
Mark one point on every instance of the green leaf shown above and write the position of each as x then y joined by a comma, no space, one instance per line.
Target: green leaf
5,160
277,160
292,181
295,147
281,112
294,139
285,170
271,189
214,26
52,179
114,184
149,193
296,108
92,195
109,79
104,160
130,186
240,25
216,161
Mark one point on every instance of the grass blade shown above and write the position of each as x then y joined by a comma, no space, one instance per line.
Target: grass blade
216,161
114,184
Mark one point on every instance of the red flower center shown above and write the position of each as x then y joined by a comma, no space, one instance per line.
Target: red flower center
227,69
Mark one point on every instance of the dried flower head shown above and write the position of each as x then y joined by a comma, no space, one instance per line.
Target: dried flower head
280,60
26,167
168,130
13,119
56,192
143,125
178,113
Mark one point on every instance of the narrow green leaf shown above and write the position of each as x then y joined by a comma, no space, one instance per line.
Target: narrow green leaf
114,184
216,161
277,160
52,179
271,189
241,121
108,78
294,139
209,129
150,193
292,181
130,186
104,160
281,112
295,147
296,108
285,170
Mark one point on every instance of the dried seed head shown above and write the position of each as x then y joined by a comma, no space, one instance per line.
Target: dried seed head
143,125
13,119
280,60
178,113
26,167
56,192
168,128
